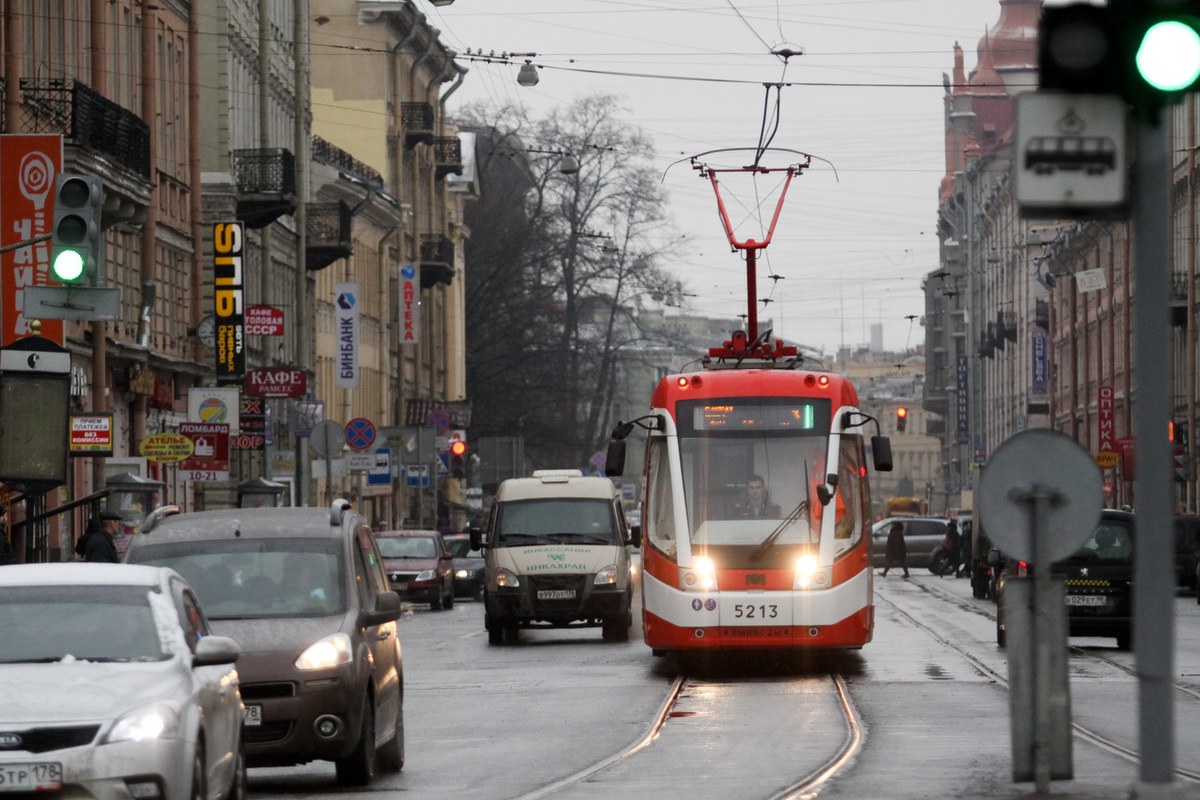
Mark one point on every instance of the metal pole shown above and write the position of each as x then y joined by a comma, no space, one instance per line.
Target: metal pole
1040,506
1154,584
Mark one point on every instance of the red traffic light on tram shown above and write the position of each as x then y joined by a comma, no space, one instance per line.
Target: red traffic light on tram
901,419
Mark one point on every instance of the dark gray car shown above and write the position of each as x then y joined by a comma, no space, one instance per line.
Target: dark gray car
921,535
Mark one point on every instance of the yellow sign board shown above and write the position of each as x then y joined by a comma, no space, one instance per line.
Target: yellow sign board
1107,458
166,448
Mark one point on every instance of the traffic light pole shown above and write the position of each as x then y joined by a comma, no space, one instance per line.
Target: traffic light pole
1154,583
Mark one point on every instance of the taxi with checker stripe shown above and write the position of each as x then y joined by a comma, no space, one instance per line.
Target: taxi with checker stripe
1099,579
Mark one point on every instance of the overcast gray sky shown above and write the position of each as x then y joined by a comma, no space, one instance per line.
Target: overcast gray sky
852,248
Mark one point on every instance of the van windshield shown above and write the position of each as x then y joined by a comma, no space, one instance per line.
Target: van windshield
256,578
521,523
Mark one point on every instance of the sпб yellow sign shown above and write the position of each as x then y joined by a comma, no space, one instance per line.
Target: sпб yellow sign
166,448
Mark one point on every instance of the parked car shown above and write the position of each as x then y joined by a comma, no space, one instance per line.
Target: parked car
115,687
921,535
469,566
419,566
1099,579
304,591
1187,550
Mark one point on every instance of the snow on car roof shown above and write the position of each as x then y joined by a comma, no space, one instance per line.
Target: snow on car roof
79,573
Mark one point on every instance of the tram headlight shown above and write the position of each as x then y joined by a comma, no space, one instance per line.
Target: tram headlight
701,576
809,575
507,579
606,576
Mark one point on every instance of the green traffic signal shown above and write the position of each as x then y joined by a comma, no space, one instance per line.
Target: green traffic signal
1168,58
67,266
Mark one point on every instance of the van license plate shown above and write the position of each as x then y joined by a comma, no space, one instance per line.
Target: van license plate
30,777
252,716
1086,600
556,594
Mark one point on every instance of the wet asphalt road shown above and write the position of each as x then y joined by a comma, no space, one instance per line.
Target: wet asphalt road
505,721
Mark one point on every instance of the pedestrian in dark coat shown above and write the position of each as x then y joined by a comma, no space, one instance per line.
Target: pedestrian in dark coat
94,525
897,550
100,546
953,545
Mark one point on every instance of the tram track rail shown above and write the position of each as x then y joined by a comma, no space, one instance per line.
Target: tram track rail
1084,733
804,788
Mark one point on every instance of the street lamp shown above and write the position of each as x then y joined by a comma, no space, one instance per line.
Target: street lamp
528,75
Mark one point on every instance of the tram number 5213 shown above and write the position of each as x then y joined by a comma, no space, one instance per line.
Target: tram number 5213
749,611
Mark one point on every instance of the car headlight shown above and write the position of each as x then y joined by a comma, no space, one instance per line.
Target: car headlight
606,576
462,573
702,575
424,575
157,721
332,651
507,579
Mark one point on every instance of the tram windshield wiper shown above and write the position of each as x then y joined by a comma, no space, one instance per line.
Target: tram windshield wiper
802,508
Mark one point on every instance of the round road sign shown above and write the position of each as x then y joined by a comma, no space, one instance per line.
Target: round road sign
328,438
1040,462
360,433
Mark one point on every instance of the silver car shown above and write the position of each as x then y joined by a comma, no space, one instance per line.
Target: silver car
115,687
921,536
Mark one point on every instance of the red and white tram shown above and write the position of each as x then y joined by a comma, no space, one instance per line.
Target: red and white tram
756,503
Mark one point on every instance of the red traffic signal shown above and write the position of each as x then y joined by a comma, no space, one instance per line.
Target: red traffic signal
458,448
901,419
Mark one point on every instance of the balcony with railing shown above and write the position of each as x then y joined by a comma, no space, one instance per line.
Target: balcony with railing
266,184
327,234
87,120
417,120
437,260
324,152
447,156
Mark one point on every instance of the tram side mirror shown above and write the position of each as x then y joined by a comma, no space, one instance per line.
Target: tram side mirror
614,463
881,450
476,535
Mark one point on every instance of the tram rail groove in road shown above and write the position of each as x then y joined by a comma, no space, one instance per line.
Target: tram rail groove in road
1083,651
803,788
1083,733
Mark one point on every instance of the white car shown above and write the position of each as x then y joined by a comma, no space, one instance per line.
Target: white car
115,687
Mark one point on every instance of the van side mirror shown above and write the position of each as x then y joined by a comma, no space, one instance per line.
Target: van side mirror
387,609
614,462
476,537
994,559
635,535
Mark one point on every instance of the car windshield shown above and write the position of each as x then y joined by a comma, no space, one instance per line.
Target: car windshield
257,578
1111,541
461,548
557,521
78,623
407,546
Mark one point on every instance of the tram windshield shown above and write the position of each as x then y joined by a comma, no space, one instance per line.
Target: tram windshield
753,482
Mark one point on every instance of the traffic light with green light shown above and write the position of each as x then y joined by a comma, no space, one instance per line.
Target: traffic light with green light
901,419
76,241
1146,51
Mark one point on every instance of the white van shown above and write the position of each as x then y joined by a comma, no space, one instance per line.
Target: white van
557,551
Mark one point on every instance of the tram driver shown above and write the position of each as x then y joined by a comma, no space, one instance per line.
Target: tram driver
755,504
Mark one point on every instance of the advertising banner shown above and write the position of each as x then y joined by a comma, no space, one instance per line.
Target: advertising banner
410,304
1041,381
264,321
210,452
345,310
963,429
29,167
92,435
215,404
228,241
276,382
